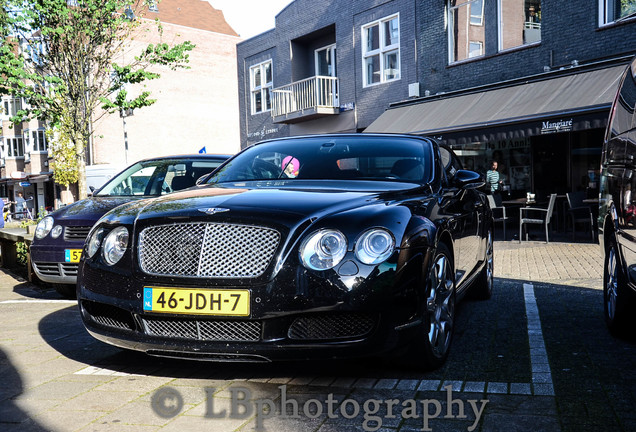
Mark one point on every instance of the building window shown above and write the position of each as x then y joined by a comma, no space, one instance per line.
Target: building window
381,51
15,147
326,61
152,6
476,49
519,23
261,87
477,12
466,28
38,140
11,106
617,10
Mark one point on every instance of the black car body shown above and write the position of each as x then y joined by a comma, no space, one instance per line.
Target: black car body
60,237
311,247
617,207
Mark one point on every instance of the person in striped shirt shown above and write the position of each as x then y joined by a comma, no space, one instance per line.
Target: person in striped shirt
492,179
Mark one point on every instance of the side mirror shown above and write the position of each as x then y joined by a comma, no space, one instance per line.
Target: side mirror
468,179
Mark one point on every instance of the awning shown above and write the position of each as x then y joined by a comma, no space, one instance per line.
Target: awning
575,101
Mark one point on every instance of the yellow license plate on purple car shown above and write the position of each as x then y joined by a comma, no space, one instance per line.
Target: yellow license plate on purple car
197,301
72,255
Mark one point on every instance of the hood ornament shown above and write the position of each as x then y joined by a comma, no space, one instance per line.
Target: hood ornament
213,210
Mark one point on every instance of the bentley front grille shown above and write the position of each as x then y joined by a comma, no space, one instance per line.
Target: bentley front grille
222,331
333,326
207,250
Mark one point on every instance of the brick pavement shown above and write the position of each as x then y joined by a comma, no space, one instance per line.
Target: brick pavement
557,262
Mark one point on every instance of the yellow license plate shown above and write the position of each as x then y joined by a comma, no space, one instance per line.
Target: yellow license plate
197,301
72,255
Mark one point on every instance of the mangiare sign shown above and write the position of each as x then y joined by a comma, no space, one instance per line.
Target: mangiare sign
556,126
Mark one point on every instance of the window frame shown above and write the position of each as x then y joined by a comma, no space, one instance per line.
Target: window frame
480,16
10,142
603,15
450,29
331,49
382,51
36,137
263,88
500,30
9,105
481,49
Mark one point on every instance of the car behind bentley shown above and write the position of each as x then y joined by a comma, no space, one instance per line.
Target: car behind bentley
314,247
59,237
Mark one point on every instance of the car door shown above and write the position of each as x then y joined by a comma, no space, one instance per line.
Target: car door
464,207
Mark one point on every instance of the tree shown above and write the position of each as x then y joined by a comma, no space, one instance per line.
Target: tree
63,57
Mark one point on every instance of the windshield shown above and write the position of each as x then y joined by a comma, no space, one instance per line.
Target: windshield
357,157
158,177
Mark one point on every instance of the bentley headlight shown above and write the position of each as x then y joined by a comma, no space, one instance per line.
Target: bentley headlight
95,242
115,245
323,249
375,246
44,227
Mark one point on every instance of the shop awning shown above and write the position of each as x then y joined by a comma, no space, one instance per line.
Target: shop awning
574,101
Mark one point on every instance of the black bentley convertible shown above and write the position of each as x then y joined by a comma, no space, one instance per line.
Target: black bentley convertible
312,247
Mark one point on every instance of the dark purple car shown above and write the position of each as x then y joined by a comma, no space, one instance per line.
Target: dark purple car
59,237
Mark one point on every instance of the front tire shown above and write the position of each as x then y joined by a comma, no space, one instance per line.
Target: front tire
616,297
438,312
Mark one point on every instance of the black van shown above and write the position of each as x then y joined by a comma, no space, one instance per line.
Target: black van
617,208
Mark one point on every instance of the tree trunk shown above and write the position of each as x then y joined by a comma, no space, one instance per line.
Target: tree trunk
81,178
66,196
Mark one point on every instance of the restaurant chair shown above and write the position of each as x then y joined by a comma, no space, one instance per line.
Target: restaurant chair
579,212
498,211
524,218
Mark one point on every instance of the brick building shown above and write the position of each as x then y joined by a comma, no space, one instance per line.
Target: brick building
534,91
529,82
306,75
195,107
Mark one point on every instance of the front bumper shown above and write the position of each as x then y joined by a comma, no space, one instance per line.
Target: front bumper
296,316
49,263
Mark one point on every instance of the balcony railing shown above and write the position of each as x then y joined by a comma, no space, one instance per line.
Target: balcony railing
302,100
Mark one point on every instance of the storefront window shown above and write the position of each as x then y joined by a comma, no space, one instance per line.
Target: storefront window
519,23
513,157
466,28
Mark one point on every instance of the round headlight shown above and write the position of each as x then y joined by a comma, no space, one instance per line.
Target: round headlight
44,227
56,231
323,249
375,246
115,245
95,242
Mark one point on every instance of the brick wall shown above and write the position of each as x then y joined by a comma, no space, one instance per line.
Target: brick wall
195,107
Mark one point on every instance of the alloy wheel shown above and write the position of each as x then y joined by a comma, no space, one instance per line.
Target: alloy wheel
440,306
611,284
